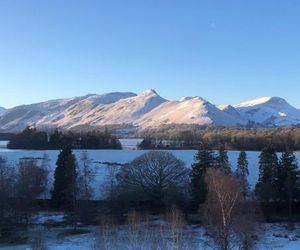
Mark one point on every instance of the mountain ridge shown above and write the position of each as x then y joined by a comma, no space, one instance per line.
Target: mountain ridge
147,109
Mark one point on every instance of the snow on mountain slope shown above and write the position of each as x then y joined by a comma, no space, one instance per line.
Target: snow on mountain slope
76,113
2,111
45,114
147,109
124,111
269,111
232,111
189,110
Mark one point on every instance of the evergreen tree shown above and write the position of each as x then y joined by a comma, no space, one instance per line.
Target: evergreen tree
268,168
204,159
288,182
242,171
65,188
222,161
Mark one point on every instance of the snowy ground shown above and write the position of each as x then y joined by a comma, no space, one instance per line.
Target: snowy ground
272,236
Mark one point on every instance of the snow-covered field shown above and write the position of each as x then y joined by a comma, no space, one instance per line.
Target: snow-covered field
123,156
270,236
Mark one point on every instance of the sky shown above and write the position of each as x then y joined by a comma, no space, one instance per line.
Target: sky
225,51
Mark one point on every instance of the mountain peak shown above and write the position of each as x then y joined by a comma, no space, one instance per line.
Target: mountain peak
188,98
149,92
262,100
269,111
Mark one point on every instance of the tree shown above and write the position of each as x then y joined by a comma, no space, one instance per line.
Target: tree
65,189
204,160
146,143
224,209
156,176
268,166
242,171
30,138
222,161
31,179
55,140
7,214
31,184
85,177
288,181
45,165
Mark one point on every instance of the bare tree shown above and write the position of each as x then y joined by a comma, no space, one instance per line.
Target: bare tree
7,214
157,176
31,183
246,226
31,179
84,209
176,230
85,177
45,166
224,209
143,233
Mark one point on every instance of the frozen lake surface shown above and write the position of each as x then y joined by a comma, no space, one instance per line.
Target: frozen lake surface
123,156
3,144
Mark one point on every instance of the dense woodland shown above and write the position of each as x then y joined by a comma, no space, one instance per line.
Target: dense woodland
229,138
31,138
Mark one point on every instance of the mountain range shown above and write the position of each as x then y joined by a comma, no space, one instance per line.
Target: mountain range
146,110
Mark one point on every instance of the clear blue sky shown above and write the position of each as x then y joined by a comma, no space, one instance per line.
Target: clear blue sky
225,51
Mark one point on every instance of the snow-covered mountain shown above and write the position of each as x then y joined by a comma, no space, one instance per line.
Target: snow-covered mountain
125,110
145,110
269,111
230,110
189,110
50,113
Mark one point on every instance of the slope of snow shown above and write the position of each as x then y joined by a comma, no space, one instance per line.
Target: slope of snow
2,111
269,111
123,111
18,118
189,110
232,111
82,111
47,114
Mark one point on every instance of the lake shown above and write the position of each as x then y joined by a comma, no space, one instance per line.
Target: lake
102,171
3,144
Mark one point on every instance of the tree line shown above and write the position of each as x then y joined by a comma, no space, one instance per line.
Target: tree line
31,138
231,138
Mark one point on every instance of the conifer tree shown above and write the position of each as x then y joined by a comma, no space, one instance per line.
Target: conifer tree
242,170
65,188
204,159
222,161
268,167
288,181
